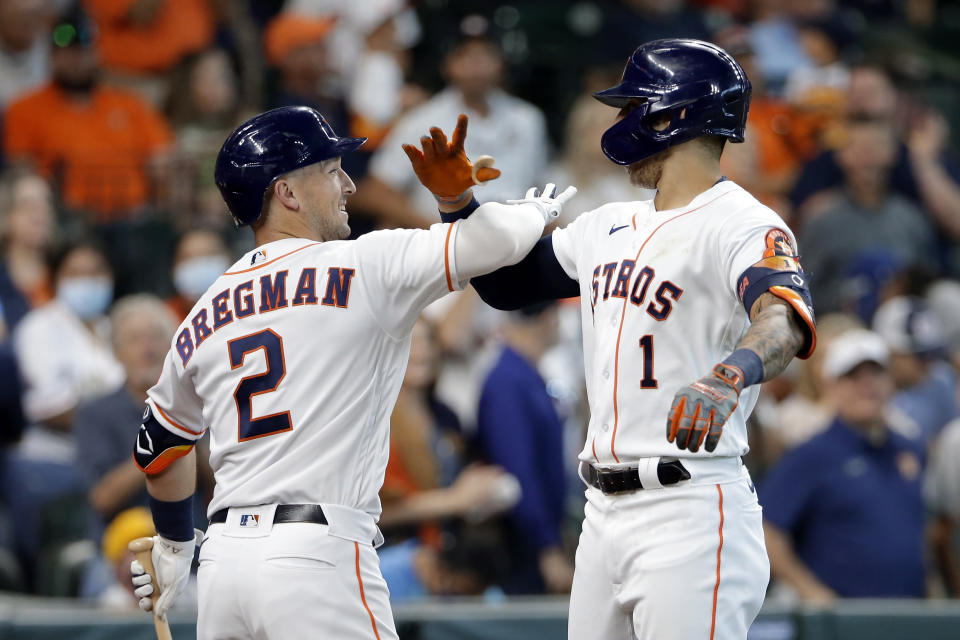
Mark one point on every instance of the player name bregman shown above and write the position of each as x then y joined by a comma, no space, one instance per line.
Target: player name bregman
244,300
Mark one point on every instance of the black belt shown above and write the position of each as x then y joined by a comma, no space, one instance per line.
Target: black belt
611,481
284,513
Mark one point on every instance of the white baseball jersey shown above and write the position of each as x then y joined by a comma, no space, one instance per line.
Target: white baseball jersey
293,360
660,308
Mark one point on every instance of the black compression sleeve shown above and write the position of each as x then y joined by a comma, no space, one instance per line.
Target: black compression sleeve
537,278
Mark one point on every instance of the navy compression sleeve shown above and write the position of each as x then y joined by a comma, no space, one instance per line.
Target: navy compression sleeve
537,278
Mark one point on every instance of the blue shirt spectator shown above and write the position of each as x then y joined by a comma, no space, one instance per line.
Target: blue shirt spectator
854,510
105,429
844,513
518,428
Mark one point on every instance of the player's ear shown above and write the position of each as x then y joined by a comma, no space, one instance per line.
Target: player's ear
284,193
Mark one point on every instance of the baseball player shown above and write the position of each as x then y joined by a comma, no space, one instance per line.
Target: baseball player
688,301
292,360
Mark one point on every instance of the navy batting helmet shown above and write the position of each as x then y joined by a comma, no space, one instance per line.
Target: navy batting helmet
267,146
697,83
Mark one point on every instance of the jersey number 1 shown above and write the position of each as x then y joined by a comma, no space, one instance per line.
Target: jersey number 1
249,427
648,381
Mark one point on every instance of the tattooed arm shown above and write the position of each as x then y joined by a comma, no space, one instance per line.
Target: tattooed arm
699,411
775,334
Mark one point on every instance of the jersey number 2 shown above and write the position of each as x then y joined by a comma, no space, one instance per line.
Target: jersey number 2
648,381
249,427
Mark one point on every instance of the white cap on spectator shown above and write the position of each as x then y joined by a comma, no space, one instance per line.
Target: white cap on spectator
909,326
851,349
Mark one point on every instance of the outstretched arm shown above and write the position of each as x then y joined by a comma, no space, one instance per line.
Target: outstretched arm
700,410
444,169
775,335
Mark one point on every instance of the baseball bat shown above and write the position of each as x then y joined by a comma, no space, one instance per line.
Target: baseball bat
142,547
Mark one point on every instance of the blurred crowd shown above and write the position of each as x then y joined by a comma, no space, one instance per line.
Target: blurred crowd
111,227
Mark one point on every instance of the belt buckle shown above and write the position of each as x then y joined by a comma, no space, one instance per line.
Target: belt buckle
612,482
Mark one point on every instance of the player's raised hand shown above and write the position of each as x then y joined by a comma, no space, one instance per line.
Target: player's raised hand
700,409
443,167
549,203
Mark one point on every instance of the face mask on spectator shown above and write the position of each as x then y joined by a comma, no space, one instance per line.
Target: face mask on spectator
193,277
86,297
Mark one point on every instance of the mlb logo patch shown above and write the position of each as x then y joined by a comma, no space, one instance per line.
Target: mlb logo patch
250,520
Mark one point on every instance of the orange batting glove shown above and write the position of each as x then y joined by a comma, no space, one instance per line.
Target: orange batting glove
444,168
701,409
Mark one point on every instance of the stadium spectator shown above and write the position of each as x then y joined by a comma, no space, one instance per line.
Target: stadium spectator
96,143
296,46
139,40
104,427
843,513
926,384
426,481
518,429
107,579
924,171
775,39
468,564
27,229
582,163
63,347
778,139
369,49
24,52
795,406
865,214
203,107
63,353
200,257
501,125
829,77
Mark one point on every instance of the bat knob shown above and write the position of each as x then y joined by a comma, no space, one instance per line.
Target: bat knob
140,544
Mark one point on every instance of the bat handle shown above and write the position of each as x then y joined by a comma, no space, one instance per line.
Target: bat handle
142,548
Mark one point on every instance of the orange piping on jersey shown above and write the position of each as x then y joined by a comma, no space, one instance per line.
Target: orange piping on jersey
633,221
716,586
373,621
593,445
233,273
623,313
446,257
175,423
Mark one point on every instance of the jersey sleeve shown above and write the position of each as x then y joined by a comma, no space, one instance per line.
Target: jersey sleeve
568,245
758,253
404,270
750,236
174,402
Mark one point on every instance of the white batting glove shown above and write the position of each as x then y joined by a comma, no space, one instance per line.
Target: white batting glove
171,561
143,583
548,203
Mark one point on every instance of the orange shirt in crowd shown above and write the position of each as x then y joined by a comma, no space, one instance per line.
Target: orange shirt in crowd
178,28
95,152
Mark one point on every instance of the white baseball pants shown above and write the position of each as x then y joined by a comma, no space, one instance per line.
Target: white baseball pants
683,562
291,580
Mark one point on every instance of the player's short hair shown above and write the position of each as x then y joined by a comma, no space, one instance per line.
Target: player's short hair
713,144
